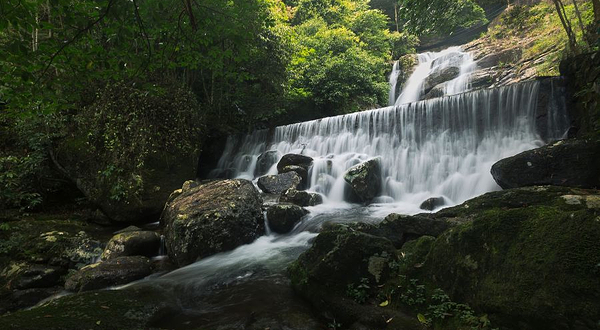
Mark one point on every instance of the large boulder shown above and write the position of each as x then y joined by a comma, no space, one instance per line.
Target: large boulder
339,274
301,198
283,217
277,184
294,159
440,76
572,163
265,161
529,258
117,271
131,243
213,217
365,179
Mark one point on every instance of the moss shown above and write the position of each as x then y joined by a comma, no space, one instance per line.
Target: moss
537,263
123,309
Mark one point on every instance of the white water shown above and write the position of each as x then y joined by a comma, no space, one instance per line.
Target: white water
433,62
393,82
438,147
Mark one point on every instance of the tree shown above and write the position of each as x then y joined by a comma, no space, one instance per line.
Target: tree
438,17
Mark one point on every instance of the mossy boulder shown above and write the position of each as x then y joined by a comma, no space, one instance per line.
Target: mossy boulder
365,179
571,163
131,243
283,217
116,271
132,308
341,270
277,184
301,171
213,217
528,257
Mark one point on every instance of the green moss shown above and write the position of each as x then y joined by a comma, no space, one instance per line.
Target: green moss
122,309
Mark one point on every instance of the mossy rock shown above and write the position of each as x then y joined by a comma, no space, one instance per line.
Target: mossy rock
343,258
529,257
213,217
131,309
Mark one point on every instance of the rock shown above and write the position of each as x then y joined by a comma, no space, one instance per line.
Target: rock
294,159
329,273
135,308
365,179
128,229
189,184
214,217
142,243
528,258
27,276
276,184
301,198
283,217
20,299
440,76
503,57
117,271
400,229
572,163
265,161
301,171
437,91
432,203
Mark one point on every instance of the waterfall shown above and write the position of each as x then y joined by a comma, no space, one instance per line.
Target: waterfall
393,82
430,65
438,147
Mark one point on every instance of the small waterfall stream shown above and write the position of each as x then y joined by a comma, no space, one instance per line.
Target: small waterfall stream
437,147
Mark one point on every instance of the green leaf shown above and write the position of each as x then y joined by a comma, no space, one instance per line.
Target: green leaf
385,303
422,318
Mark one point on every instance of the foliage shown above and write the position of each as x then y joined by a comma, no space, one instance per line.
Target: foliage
541,27
439,17
359,292
342,53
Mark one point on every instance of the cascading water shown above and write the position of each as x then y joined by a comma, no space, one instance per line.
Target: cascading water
431,65
393,82
436,147
442,146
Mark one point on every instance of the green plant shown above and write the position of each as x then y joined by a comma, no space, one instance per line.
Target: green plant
359,292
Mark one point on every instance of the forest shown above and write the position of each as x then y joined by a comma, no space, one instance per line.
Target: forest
370,164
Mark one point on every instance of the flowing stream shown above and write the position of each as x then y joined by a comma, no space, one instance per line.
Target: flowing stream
428,148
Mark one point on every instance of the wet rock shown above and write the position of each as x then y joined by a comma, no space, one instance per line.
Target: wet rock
365,179
573,163
117,271
432,203
131,243
400,229
294,159
437,91
301,198
214,217
128,229
440,76
302,173
265,161
27,276
189,184
283,217
340,259
276,184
